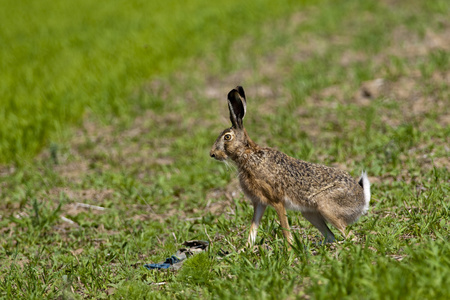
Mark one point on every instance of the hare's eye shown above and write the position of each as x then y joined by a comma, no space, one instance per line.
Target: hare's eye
227,137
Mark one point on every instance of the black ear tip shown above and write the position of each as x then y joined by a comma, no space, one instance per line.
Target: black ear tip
233,94
240,90
237,106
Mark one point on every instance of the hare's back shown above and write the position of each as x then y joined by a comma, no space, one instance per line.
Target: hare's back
292,173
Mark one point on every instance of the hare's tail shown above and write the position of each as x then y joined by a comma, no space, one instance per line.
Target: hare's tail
365,184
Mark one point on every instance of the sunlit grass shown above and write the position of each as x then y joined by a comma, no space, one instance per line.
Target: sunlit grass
59,59
142,155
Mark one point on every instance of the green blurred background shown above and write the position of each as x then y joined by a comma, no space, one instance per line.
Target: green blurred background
60,59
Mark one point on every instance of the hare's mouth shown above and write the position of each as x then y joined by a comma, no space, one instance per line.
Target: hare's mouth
218,156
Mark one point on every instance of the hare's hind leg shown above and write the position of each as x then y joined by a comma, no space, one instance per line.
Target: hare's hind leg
334,219
258,212
318,221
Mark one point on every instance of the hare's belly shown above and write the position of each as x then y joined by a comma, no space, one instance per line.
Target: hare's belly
291,205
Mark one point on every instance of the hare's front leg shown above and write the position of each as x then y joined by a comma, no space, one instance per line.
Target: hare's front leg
281,212
258,212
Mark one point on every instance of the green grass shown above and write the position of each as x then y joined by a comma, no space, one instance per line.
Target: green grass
60,59
141,152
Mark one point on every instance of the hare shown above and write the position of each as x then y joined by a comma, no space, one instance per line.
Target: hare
269,177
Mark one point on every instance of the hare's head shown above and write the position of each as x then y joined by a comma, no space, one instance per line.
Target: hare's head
234,140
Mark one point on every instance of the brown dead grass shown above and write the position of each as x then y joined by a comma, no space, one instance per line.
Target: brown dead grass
220,200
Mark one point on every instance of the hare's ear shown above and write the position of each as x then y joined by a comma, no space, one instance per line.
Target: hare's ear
237,106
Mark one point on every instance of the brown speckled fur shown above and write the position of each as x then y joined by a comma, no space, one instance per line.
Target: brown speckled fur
270,177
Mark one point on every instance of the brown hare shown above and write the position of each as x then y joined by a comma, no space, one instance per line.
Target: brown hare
269,177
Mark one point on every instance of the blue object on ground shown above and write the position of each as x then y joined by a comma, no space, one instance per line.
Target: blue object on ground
165,265
176,260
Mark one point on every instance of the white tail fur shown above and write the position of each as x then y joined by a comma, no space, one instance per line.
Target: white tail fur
365,184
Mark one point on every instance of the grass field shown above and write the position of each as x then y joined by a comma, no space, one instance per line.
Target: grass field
60,59
106,112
